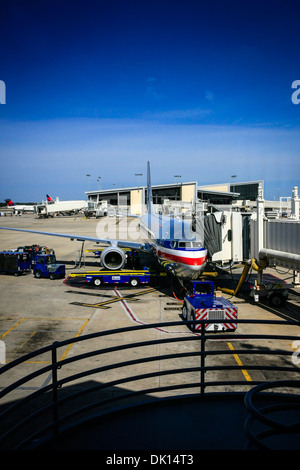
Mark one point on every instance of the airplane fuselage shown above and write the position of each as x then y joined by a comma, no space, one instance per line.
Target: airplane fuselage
20,208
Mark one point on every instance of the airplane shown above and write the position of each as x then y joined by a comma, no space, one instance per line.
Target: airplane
50,208
22,208
172,242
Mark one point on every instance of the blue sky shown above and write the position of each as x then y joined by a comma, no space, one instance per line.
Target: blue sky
201,89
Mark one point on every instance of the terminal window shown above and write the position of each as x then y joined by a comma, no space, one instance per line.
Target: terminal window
246,191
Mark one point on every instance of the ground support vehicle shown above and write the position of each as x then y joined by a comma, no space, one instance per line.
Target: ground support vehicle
276,293
134,278
104,277
200,303
46,266
34,250
14,262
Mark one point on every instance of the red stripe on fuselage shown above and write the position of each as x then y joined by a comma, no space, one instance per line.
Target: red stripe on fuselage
183,259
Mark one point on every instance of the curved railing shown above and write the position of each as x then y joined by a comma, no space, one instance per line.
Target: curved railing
272,421
54,404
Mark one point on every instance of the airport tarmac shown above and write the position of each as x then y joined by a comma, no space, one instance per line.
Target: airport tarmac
37,312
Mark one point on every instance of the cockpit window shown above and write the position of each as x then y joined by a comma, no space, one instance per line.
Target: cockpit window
185,244
190,245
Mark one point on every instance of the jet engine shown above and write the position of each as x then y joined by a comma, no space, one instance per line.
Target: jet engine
112,258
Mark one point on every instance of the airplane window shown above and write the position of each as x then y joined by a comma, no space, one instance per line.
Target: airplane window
185,244
197,244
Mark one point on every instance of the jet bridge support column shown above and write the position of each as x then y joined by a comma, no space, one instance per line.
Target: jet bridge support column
260,228
295,202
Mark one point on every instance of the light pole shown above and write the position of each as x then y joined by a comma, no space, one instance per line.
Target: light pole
88,182
177,176
233,186
139,175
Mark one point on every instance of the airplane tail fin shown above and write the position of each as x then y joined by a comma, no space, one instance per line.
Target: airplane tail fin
49,198
9,202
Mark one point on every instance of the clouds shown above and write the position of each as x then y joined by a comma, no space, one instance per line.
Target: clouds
181,115
199,89
56,155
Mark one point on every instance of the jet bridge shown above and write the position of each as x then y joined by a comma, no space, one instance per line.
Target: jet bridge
277,241
253,239
224,236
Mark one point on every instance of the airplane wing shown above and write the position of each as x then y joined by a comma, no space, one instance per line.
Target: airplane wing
80,238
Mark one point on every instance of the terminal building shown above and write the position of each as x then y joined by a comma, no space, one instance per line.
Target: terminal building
186,196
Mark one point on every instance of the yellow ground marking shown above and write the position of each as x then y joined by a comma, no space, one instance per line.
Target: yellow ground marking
34,332
28,339
70,345
115,299
12,328
236,357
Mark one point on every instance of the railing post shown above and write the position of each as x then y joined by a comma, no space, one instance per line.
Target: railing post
54,387
202,358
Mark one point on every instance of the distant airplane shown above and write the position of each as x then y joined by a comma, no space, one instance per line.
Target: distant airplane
171,241
19,207
50,208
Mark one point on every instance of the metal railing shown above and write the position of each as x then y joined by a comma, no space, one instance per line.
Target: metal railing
55,403
272,422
